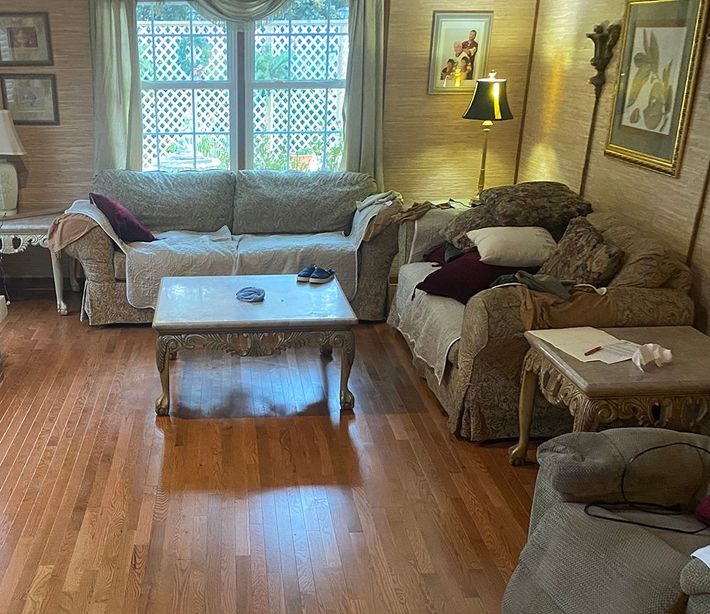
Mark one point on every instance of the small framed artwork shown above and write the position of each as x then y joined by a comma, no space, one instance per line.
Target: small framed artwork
31,99
459,51
25,39
657,73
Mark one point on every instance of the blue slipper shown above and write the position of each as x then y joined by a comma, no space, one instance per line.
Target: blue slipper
321,275
305,273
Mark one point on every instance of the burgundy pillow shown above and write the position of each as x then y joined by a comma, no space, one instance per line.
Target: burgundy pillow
127,226
437,255
463,277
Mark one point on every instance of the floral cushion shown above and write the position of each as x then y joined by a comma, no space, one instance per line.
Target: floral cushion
584,256
546,204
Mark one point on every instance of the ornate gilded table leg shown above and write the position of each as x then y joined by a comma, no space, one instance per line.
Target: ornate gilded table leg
528,386
162,354
73,281
347,341
58,276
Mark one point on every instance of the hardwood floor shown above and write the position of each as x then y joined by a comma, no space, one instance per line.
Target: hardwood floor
255,497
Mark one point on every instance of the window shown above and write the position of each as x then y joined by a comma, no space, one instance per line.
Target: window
291,88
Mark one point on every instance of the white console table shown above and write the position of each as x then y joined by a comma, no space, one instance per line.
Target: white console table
19,232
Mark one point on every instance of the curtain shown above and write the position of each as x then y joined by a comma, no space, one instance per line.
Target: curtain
238,10
363,107
117,88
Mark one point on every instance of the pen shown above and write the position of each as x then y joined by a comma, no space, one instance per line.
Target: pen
593,350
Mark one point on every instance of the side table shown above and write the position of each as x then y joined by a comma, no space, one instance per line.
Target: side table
17,233
675,396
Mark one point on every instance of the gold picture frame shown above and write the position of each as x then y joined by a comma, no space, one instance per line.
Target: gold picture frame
658,70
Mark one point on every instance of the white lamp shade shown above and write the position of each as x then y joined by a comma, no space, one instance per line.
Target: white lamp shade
10,144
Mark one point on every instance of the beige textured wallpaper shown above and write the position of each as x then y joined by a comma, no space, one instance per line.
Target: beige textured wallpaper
58,165
429,149
557,123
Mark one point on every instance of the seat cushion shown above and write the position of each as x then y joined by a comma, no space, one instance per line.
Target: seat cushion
201,201
282,254
443,318
587,565
297,202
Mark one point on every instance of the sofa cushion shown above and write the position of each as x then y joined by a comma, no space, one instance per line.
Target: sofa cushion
126,225
446,314
267,202
463,277
278,254
547,204
524,246
191,200
584,256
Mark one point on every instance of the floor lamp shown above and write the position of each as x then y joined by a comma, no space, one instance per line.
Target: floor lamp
490,104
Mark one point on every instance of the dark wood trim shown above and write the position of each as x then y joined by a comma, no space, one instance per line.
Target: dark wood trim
521,134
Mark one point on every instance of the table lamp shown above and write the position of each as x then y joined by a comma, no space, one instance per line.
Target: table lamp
10,145
490,104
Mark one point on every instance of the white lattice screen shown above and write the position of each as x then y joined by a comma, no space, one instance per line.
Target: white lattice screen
297,67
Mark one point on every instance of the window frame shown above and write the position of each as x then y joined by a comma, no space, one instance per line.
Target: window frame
241,83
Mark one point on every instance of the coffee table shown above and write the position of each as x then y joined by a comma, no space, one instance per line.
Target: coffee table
204,312
676,396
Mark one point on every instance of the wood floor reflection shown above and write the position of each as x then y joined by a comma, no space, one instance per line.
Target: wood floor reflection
254,496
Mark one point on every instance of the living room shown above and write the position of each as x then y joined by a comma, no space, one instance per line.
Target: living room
254,355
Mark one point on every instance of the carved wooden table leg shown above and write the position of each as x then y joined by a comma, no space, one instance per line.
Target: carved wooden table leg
162,355
526,403
58,276
326,351
587,415
347,341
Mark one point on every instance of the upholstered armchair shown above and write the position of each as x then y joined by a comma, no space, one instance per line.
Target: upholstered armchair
576,563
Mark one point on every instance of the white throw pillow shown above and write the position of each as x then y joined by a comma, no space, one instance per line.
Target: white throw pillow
527,246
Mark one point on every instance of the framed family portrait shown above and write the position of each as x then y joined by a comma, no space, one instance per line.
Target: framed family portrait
657,73
459,51
25,39
31,99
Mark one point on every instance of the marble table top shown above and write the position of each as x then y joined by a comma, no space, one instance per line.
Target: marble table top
198,304
688,373
38,224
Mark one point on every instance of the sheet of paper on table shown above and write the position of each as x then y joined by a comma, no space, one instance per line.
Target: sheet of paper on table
576,341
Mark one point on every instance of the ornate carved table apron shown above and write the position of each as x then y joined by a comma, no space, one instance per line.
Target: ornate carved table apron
676,396
204,312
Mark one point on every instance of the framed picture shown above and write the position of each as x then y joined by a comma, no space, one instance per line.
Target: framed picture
459,51
657,73
31,99
24,39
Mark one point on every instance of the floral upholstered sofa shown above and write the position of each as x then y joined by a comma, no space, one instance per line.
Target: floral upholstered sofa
274,222
478,348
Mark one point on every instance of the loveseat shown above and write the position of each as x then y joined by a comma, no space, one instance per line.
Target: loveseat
478,383
577,563
278,217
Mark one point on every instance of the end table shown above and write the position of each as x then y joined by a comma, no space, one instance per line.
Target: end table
675,396
18,232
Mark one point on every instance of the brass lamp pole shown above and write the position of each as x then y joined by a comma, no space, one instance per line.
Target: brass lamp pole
490,104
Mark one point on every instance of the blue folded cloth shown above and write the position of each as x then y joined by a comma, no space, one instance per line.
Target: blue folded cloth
250,294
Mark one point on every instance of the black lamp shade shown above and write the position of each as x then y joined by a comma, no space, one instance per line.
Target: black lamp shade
490,101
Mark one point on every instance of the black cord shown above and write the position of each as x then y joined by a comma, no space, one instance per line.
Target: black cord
645,506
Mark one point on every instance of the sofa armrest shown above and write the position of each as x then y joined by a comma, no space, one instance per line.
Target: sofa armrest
374,265
695,582
95,253
493,347
419,237
588,467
